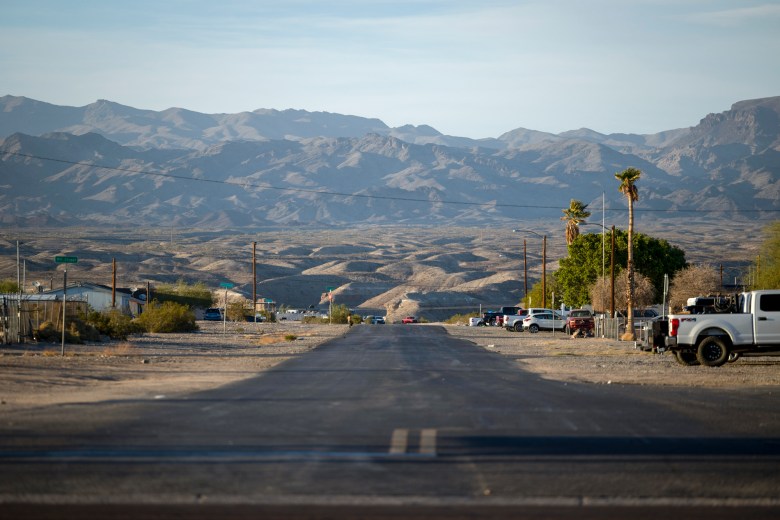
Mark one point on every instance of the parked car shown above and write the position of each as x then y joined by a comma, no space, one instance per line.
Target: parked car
515,322
379,320
491,318
579,319
544,321
409,319
213,314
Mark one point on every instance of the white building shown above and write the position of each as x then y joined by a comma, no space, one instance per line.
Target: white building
99,297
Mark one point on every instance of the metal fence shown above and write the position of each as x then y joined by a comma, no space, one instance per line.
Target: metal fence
614,328
21,316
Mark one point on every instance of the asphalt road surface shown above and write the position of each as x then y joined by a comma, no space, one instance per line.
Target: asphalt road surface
399,421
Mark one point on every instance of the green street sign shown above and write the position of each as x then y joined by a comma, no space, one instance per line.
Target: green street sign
66,259
226,285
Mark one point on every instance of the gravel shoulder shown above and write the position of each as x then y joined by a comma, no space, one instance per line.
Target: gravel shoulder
604,361
153,366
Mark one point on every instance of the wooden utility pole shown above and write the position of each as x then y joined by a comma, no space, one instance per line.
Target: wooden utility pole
113,283
612,277
525,273
254,281
544,272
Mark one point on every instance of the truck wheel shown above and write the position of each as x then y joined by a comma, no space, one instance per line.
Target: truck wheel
518,327
533,328
712,352
686,357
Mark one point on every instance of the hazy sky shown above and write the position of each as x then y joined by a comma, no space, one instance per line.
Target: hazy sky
468,68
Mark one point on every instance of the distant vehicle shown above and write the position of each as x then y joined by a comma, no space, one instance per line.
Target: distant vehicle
213,314
379,320
491,318
548,320
579,319
409,319
507,311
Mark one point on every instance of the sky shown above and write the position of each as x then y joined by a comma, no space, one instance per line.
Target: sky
475,68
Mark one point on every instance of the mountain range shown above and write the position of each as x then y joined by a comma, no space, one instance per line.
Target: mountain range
109,164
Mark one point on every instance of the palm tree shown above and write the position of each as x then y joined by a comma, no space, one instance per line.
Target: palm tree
574,215
628,178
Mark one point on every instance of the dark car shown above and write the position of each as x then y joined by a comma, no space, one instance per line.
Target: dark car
580,319
213,314
492,318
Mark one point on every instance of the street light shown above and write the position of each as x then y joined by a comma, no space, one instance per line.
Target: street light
544,264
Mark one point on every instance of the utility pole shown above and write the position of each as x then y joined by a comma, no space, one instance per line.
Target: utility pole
544,272
254,281
525,271
64,300
612,276
113,283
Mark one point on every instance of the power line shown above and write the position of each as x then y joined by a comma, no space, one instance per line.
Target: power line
245,185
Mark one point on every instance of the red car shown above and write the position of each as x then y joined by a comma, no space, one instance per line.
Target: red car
580,319
409,319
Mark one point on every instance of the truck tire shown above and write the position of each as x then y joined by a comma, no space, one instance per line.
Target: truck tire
686,357
518,326
713,351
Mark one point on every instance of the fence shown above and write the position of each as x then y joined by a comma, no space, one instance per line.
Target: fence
21,316
614,328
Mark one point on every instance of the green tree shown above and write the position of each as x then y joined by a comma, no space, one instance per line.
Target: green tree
628,179
579,270
534,296
574,215
767,266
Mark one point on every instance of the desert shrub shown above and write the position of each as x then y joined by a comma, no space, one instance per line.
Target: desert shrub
75,332
192,295
167,317
47,332
291,337
9,287
235,310
113,323
339,313
461,319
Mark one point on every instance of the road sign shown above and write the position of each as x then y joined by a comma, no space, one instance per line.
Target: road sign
66,259
226,285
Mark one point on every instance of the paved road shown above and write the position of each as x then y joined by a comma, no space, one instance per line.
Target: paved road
400,421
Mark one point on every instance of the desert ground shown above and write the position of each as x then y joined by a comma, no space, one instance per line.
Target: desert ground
434,272
150,366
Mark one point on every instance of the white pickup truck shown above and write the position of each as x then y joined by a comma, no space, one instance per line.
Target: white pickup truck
751,325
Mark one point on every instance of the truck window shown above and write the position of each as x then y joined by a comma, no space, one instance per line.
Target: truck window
769,303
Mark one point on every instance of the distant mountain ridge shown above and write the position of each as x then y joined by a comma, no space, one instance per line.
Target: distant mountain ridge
114,164
181,128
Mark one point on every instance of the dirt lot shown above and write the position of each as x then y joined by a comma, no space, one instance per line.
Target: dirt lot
155,365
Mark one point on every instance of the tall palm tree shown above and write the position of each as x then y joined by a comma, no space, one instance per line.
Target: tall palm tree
628,178
574,215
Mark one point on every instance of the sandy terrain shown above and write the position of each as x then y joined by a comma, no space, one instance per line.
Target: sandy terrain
155,365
